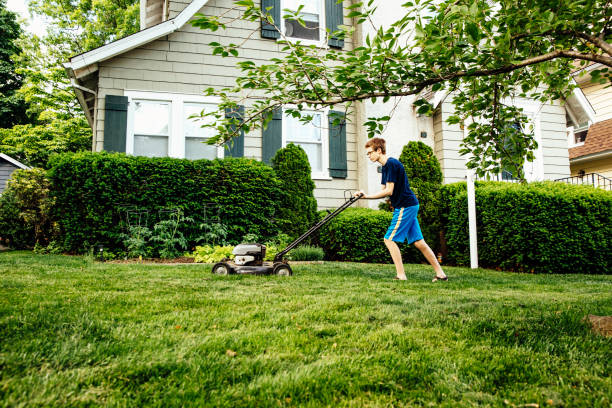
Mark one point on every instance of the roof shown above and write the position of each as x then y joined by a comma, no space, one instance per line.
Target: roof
598,140
13,161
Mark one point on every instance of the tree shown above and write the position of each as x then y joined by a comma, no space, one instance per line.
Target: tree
483,53
82,25
12,105
56,122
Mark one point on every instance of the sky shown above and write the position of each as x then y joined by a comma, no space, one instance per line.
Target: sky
36,25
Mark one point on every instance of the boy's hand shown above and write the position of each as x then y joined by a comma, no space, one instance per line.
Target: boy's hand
360,193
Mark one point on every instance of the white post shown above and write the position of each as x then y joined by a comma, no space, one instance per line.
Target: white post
471,196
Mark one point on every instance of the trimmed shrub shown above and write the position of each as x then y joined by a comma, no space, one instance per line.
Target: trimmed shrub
298,209
27,209
425,177
356,235
14,232
544,227
95,191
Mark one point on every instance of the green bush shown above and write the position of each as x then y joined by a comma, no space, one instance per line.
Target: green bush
212,254
14,232
544,227
306,253
298,210
356,235
95,191
27,209
425,177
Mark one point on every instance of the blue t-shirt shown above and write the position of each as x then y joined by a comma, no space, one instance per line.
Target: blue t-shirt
393,172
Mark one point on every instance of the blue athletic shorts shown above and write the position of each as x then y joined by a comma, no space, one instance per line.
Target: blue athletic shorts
404,225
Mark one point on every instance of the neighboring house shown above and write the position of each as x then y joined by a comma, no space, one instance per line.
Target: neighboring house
7,166
138,92
550,123
590,142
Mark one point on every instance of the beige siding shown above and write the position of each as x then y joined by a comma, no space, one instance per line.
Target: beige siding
601,166
182,62
550,129
447,139
600,98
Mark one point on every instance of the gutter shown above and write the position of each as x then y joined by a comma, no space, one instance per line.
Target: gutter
592,156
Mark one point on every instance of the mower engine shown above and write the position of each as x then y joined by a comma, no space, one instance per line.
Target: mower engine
249,254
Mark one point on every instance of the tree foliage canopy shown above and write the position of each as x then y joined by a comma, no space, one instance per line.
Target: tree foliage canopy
482,53
12,105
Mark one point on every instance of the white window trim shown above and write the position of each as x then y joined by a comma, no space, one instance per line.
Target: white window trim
176,136
324,173
322,43
571,130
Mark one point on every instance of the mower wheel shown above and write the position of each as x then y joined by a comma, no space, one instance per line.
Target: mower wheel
222,268
282,269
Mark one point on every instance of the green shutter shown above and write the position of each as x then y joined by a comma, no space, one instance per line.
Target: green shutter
235,147
334,18
268,30
337,145
115,123
272,136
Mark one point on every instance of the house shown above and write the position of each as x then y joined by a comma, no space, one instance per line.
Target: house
137,93
7,166
590,142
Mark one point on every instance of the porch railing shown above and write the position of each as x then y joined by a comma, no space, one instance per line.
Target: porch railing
589,179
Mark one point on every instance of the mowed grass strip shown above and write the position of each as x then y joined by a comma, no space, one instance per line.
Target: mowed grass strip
74,332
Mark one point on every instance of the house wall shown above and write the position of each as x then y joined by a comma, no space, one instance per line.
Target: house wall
600,166
182,62
600,98
6,169
551,156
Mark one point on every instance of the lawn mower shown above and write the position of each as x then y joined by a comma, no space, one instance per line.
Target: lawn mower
249,258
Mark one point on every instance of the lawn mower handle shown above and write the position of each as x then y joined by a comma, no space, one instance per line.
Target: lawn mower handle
318,225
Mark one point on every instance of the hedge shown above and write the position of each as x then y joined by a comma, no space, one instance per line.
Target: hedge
298,207
94,191
545,227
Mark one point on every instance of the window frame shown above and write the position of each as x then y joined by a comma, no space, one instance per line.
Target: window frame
321,43
176,136
324,173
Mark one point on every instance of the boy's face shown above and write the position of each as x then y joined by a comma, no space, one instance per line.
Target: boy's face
372,154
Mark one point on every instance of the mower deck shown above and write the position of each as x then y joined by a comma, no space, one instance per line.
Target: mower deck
267,268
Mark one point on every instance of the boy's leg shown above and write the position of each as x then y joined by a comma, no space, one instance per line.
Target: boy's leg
396,255
430,256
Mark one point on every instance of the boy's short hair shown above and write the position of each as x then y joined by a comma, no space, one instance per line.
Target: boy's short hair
377,143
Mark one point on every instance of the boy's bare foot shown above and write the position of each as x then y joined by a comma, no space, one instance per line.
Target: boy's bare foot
400,278
439,278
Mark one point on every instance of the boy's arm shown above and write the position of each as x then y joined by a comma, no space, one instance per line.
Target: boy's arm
385,192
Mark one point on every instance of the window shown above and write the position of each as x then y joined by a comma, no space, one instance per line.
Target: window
159,126
311,137
580,136
151,128
195,135
577,135
311,14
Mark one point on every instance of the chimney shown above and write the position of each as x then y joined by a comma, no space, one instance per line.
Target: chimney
153,12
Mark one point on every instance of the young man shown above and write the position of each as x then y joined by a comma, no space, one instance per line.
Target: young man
404,225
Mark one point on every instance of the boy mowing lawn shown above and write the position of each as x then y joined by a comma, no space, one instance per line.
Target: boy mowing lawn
404,225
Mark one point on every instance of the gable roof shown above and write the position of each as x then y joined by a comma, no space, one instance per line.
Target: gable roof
598,141
133,41
13,161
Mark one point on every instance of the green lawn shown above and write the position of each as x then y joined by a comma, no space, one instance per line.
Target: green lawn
78,333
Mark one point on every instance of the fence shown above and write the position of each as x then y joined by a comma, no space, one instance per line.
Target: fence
590,179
